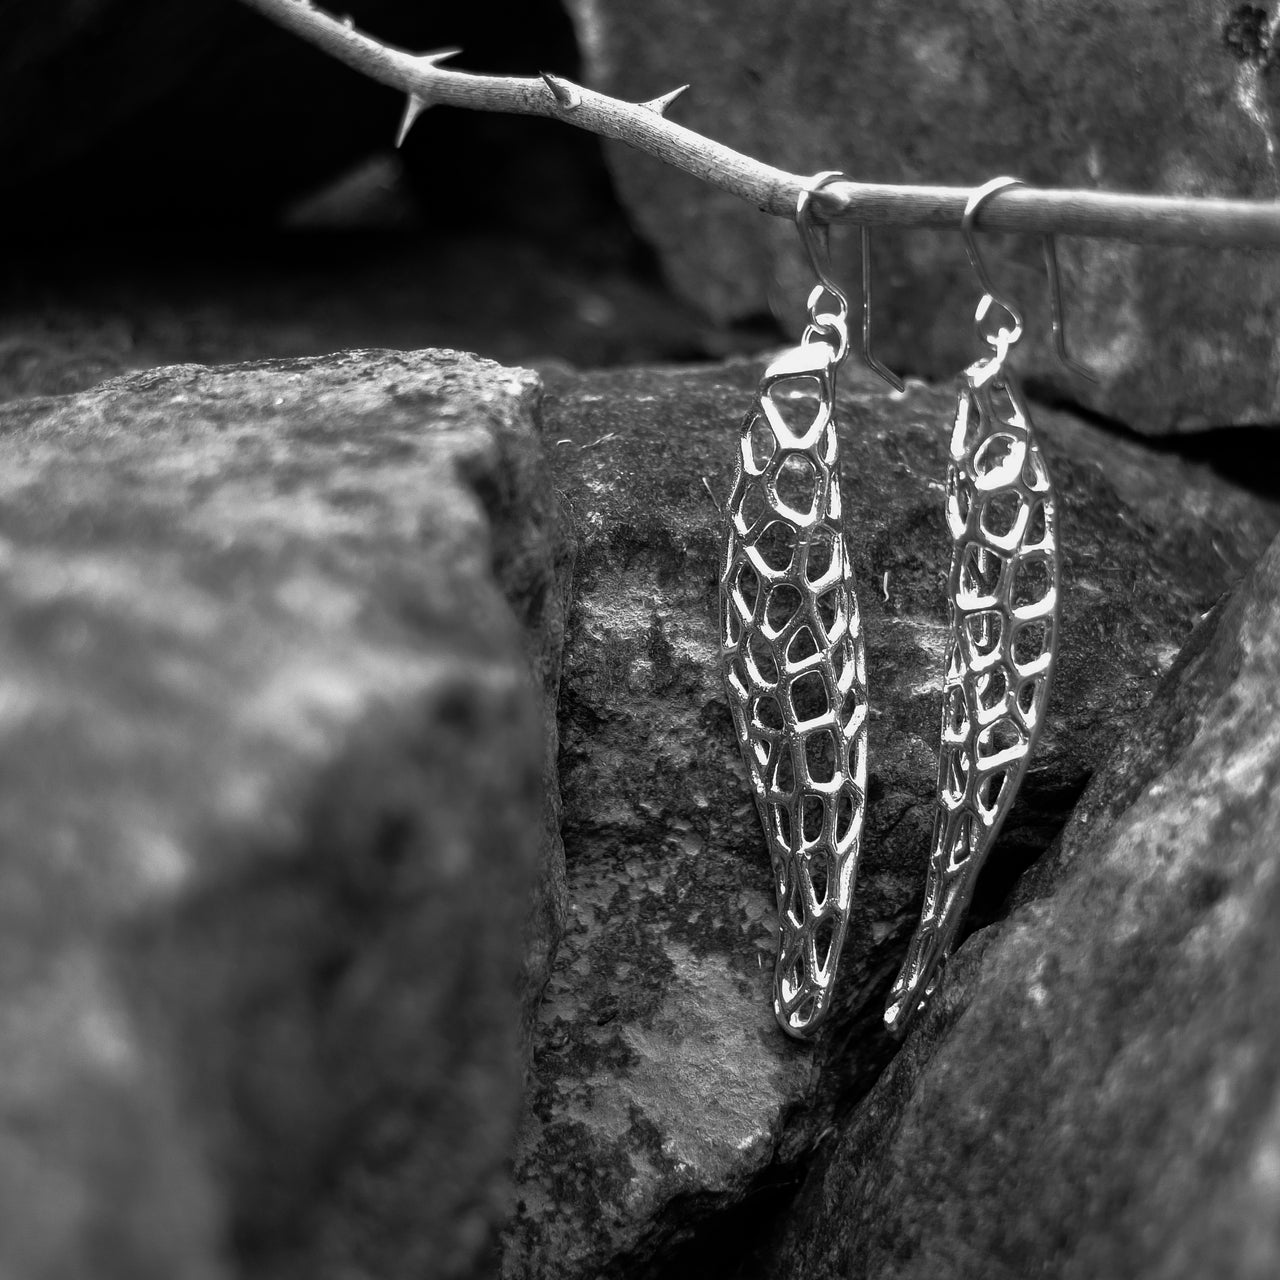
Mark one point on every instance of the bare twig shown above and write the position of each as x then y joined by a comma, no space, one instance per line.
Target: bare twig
1154,219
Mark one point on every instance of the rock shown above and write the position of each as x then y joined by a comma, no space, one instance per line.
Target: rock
1098,1089
1154,97
664,1091
273,809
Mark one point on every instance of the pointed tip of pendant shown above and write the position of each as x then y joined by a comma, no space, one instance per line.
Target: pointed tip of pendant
896,1018
660,104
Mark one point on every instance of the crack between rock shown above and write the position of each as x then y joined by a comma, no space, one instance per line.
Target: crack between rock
1232,452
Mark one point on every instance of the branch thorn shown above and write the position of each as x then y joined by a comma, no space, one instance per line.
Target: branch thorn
412,110
439,56
419,102
565,94
659,105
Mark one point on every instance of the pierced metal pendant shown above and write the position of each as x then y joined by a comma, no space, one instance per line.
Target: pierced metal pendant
1003,602
795,671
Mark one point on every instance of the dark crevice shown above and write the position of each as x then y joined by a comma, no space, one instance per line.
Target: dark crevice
1033,825
734,1244
1242,455
1246,456
1053,397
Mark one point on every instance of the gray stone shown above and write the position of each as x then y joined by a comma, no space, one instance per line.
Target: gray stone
1154,96
272,806
1097,1091
664,1091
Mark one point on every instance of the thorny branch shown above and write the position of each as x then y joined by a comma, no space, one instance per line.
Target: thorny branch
1141,219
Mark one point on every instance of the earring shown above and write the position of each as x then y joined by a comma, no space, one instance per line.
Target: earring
1002,600
791,643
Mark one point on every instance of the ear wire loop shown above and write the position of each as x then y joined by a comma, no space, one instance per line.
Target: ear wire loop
820,263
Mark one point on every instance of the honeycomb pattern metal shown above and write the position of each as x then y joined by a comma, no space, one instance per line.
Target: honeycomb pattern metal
1003,603
794,669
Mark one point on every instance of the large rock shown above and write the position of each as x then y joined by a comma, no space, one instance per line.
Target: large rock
664,1092
273,799
1098,1090
1157,96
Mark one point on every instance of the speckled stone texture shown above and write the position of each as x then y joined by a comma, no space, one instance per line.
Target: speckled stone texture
1152,96
272,812
664,1091
1098,1090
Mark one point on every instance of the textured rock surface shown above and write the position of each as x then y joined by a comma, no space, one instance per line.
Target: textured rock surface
272,807
664,1089
1098,1092
1156,96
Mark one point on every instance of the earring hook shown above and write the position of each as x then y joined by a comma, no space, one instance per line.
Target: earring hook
871,362
1057,312
1007,337
819,259
1004,338
820,262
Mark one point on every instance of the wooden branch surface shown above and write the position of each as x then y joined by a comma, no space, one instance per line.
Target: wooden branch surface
1140,219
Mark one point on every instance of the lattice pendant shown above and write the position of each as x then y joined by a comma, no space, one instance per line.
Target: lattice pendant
1003,603
794,669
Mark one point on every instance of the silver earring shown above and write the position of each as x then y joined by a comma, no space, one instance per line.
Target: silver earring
791,643
1002,598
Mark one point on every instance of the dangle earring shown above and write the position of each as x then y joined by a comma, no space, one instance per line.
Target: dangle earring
791,642
1002,598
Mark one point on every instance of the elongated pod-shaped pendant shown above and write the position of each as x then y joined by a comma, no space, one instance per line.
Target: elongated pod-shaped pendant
794,669
1003,605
